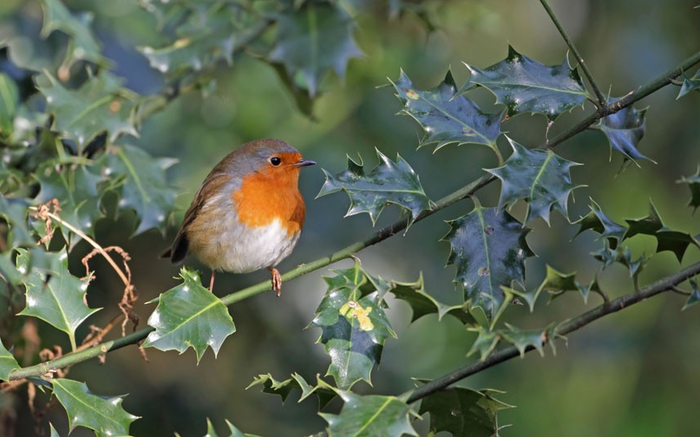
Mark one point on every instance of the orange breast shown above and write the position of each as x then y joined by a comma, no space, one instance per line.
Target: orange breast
271,194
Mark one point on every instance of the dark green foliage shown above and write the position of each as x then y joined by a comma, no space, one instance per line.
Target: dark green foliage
370,416
693,183
624,129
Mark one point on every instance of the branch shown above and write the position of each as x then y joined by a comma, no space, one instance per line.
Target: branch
347,252
658,287
577,55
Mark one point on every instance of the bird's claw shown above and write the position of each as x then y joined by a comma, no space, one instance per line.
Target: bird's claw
276,281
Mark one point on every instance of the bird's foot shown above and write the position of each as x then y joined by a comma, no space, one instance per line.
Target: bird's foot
211,281
276,280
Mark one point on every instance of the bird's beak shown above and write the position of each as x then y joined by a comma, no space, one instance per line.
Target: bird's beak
304,163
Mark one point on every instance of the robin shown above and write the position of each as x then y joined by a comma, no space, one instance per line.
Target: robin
248,213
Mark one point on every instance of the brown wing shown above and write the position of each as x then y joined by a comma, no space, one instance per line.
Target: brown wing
210,186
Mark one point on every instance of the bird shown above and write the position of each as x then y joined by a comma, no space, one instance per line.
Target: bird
248,213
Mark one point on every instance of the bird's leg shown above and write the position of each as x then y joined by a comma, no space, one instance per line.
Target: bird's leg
276,280
211,281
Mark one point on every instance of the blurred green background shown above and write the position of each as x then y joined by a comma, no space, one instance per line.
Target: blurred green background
632,374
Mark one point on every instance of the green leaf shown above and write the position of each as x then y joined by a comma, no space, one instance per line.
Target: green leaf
8,363
690,85
354,329
189,315
422,303
609,255
667,239
489,250
77,189
557,283
485,342
370,416
540,176
388,183
58,299
525,85
624,129
234,432
54,433
522,339
694,297
447,118
597,221
693,183
9,100
139,181
99,105
464,412
104,415
283,388
313,39
83,45
14,211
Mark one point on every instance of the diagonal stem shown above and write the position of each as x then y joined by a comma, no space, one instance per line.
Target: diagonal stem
349,251
577,55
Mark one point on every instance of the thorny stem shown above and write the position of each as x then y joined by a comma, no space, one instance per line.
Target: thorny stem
383,234
575,52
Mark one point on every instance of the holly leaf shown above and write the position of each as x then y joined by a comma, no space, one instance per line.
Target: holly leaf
9,100
100,104
53,432
370,416
139,181
283,388
14,212
77,189
312,39
693,183
234,432
690,85
354,329
524,338
104,415
58,299
525,85
447,118
82,45
422,303
189,315
388,183
667,239
485,342
8,363
488,249
624,130
694,297
464,412
608,255
540,176
597,221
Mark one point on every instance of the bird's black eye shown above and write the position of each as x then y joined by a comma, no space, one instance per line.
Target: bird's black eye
275,161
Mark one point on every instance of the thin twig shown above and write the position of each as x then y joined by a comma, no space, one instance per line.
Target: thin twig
601,98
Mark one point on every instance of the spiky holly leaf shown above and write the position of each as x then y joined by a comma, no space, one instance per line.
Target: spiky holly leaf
9,100
624,130
488,248
388,183
53,431
204,39
283,388
104,415
313,39
525,85
522,338
189,315
77,189
82,45
354,329
8,363
597,221
139,181
14,212
58,299
99,105
234,432
609,255
463,412
693,183
370,416
485,342
447,118
556,284
541,177
666,238
694,297
422,303
690,85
